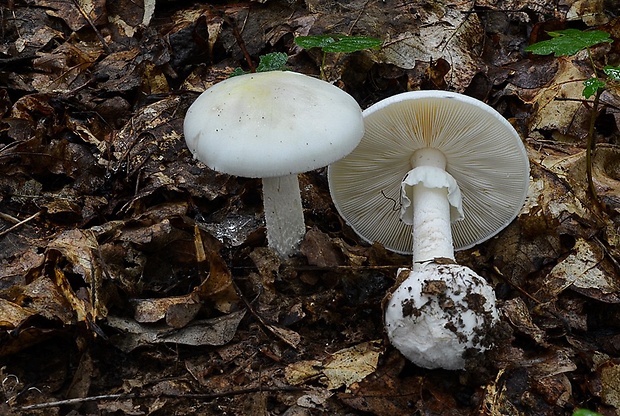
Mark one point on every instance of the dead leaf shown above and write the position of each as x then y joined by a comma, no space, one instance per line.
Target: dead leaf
586,271
80,249
71,14
342,368
215,331
178,311
438,32
319,249
516,311
559,106
610,383
385,393
12,315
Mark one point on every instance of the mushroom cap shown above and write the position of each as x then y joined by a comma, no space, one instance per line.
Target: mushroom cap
483,152
272,124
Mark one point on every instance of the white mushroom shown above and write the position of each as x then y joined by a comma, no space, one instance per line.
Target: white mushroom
461,173
274,125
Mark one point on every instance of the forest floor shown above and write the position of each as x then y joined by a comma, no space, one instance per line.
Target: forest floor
136,281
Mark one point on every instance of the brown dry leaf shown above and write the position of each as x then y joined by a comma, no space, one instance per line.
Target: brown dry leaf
65,67
119,71
218,285
591,12
559,107
215,331
72,13
83,377
178,311
438,32
342,368
385,393
81,250
13,315
32,29
519,316
609,372
351,365
496,402
587,271
44,298
319,249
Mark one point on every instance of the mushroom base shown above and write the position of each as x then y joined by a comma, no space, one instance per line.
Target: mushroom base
440,314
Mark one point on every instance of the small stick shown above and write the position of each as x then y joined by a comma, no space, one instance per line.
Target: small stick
121,396
92,25
19,224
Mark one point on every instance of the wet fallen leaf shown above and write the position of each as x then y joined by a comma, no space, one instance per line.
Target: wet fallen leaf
215,331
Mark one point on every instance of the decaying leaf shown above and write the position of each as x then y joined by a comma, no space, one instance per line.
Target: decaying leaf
215,331
341,368
610,382
559,106
177,311
518,315
441,32
586,271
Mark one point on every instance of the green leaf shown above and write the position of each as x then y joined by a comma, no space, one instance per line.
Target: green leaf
337,43
318,41
612,72
274,61
569,42
353,44
585,412
591,86
236,72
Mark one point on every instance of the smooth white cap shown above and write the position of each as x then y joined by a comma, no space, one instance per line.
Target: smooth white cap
272,124
483,152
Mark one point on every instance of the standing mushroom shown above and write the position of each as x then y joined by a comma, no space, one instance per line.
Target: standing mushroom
461,173
274,125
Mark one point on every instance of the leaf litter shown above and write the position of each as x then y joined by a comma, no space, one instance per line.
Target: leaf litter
137,281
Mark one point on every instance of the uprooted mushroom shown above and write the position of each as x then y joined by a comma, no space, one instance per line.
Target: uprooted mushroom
461,173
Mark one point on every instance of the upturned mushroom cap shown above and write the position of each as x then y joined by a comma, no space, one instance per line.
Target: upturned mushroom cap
272,124
483,153
439,313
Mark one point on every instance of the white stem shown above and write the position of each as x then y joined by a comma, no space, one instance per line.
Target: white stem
432,236
284,217
428,209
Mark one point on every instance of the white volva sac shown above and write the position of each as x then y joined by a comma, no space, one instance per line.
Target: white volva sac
439,313
274,125
461,174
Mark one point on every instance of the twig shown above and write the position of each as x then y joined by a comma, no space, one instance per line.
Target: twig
92,25
240,42
590,147
122,396
19,224
271,328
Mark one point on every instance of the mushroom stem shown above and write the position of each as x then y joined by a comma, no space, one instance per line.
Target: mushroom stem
432,236
429,194
284,217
